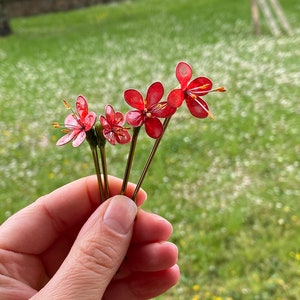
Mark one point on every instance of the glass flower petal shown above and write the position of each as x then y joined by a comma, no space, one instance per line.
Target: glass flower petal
183,74
175,98
89,121
123,137
154,127
198,108
79,139
134,98
154,94
135,118
81,106
66,138
200,86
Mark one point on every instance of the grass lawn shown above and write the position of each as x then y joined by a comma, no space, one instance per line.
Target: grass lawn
230,186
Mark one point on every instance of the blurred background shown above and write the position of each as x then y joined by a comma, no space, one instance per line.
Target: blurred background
230,186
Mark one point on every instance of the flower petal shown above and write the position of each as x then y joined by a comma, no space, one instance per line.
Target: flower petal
66,138
154,128
119,119
110,136
104,122
123,136
135,118
154,94
200,86
134,98
79,139
197,107
175,98
183,74
81,107
110,114
165,111
89,121
71,122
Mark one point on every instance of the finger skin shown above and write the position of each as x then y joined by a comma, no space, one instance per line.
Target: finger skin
155,228
151,257
148,228
96,255
33,229
143,286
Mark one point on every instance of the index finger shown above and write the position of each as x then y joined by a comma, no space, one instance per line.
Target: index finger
34,228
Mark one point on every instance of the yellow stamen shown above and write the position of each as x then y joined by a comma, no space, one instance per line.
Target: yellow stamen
220,89
158,107
210,115
65,130
161,106
66,104
55,125
204,86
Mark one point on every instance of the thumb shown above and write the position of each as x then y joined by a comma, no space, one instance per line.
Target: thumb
96,255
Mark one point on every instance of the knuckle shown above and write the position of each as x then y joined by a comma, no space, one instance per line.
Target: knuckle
97,257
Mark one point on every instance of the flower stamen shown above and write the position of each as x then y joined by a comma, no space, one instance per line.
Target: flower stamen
220,89
56,125
201,87
65,130
66,104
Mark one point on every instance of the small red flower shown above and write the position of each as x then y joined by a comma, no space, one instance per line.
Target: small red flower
113,129
148,110
75,125
191,92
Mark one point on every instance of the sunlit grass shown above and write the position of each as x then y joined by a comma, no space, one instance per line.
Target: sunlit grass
229,186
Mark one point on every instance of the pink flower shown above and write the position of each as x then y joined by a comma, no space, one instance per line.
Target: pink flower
149,110
113,129
191,92
75,125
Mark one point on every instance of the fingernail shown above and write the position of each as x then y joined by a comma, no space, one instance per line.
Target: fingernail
120,214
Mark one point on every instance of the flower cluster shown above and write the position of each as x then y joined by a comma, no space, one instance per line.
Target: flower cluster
148,111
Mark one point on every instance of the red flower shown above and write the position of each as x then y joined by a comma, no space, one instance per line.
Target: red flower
77,125
191,92
113,129
148,110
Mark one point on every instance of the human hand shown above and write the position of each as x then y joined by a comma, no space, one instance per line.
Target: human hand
66,246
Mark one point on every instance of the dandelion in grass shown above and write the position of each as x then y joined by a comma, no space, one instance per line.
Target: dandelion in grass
76,125
112,125
192,92
196,287
149,110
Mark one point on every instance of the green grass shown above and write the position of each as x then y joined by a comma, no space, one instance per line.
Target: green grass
229,186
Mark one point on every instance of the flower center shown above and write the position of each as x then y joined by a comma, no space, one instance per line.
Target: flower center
147,113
